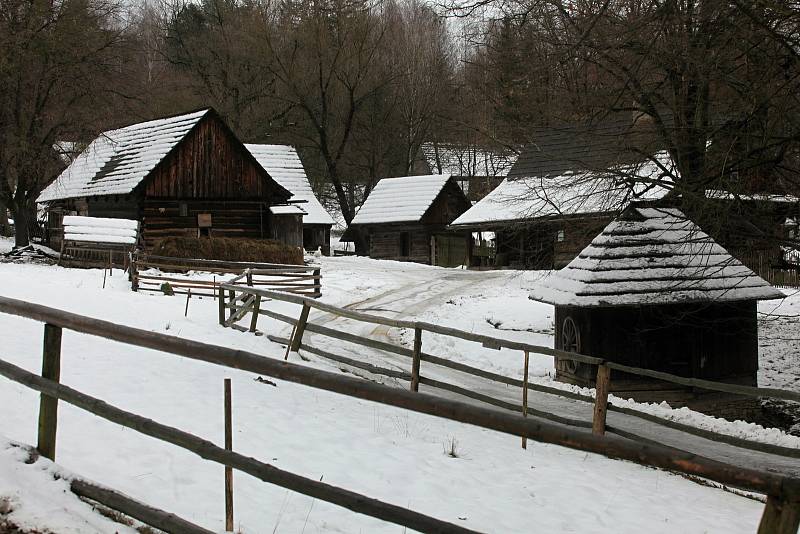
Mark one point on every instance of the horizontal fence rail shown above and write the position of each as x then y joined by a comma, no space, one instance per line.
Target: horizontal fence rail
783,491
151,273
238,312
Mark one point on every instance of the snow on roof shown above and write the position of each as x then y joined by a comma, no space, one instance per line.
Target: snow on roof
100,230
716,194
284,166
652,256
465,160
287,210
404,199
520,199
118,160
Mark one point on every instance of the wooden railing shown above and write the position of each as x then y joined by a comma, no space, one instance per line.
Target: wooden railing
781,513
243,300
303,280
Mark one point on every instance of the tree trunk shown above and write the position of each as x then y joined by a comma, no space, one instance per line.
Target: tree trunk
21,227
5,226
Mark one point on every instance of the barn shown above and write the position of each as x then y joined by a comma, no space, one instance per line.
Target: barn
284,166
542,220
181,176
654,291
406,219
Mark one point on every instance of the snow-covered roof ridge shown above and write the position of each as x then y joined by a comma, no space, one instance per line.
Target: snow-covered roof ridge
118,160
519,199
467,160
283,164
402,199
652,255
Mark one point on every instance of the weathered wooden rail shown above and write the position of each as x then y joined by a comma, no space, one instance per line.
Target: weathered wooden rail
781,513
150,273
246,300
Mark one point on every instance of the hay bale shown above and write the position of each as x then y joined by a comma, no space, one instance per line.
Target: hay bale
229,249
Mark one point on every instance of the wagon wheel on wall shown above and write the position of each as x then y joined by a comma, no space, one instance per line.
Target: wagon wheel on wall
570,342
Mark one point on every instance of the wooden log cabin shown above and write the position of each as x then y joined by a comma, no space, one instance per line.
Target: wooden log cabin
181,176
285,167
654,291
406,219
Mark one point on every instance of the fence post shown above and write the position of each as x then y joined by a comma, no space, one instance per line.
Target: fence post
317,283
256,310
780,516
221,302
249,275
415,364
601,400
228,469
231,298
525,397
48,406
297,338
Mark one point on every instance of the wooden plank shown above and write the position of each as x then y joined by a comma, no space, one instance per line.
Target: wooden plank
415,363
228,447
780,516
601,400
148,515
525,394
300,329
221,303
752,480
48,406
256,309
205,449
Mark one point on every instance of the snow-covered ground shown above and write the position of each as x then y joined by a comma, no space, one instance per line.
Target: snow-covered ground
489,484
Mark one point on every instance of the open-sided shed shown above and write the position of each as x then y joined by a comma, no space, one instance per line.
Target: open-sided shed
284,166
406,219
181,176
654,291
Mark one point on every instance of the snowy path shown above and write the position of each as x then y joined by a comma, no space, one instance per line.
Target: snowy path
426,289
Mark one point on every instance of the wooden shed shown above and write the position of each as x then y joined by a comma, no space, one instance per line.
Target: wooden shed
406,219
654,291
284,166
181,176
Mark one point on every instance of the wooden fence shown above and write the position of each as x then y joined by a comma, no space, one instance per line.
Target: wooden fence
151,273
244,300
781,513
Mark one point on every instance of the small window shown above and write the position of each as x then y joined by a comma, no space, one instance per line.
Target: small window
184,209
405,244
560,236
204,232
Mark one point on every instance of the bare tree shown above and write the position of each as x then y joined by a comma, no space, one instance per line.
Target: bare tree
59,63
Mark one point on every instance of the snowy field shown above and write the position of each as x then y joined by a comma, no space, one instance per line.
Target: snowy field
488,484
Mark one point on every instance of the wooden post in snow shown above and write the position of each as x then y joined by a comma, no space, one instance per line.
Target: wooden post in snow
48,406
256,310
525,396
221,302
417,357
228,469
188,296
297,338
601,400
780,516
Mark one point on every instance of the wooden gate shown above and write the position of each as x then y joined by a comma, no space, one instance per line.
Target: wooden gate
449,251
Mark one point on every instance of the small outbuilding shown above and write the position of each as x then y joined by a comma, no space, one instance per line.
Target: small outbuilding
181,176
654,291
284,166
406,219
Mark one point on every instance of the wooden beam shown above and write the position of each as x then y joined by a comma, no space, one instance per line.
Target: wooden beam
415,363
780,516
300,329
256,310
148,515
228,447
525,394
602,385
48,406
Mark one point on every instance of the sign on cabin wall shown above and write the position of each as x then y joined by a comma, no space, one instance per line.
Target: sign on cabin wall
204,220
